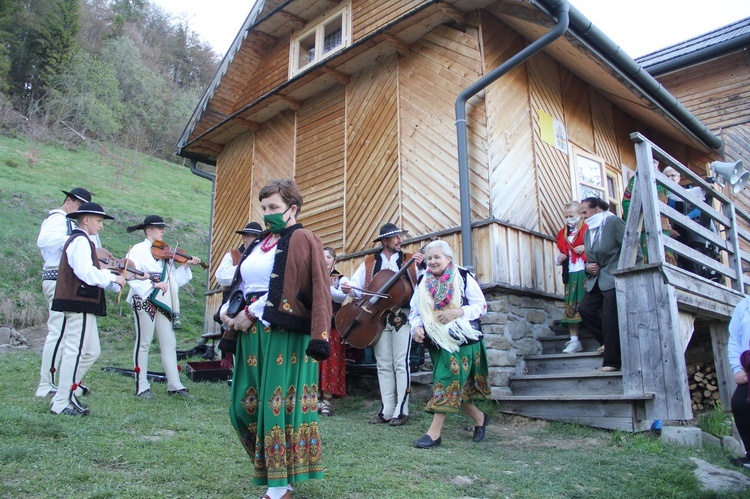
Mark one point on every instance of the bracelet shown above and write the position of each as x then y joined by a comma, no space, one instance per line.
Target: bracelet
250,317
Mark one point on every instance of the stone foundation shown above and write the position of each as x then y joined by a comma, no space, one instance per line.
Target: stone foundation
511,327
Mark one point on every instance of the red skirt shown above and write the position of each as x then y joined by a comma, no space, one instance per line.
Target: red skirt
333,369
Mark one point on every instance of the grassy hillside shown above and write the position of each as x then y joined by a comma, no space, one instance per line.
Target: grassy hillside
129,186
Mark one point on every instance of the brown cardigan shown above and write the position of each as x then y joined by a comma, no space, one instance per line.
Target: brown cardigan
299,294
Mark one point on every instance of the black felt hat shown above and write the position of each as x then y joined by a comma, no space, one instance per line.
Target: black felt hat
90,209
149,221
389,230
251,229
80,194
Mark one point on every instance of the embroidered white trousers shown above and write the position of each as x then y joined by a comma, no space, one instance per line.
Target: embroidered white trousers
51,353
144,335
80,349
392,359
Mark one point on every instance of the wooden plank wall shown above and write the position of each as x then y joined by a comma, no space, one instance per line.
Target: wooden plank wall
717,92
605,136
372,183
437,69
552,165
511,161
578,116
320,165
232,199
273,157
369,15
275,71
525,260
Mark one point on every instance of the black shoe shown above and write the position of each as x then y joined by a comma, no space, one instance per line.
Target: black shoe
479,430
377,419
146,395
742,462
72,411
426,442
399,421
180,393
85,390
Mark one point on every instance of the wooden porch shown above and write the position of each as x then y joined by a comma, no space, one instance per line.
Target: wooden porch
659,305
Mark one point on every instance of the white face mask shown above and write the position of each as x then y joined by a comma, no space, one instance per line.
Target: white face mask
572,220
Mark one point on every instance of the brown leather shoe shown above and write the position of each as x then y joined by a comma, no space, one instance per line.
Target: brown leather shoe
399,421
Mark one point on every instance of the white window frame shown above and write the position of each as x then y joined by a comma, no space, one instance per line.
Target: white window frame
575,170
318,28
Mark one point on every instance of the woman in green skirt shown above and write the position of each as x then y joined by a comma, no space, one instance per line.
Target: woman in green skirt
444,314
278,333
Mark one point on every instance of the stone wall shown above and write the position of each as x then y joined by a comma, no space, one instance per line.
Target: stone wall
511,327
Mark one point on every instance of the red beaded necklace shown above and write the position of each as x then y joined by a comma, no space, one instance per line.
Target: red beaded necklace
268,247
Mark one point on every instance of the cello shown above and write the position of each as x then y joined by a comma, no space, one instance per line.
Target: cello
360,323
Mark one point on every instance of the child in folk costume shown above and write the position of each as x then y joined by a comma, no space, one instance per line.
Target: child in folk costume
155,305
79,294
572,258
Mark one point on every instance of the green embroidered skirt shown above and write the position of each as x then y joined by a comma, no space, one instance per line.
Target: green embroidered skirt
273,405
458,377
574,293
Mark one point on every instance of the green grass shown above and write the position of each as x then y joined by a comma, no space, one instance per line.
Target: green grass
169,447
715,421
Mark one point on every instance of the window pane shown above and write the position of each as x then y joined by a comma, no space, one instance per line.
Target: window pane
611,187
306,50
332,35
589,171
588,192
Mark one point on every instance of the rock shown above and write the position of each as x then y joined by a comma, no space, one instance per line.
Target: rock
12,338
519,329
733,446
717,479
536,317
501,358
709,439
497,342
682,435
527,346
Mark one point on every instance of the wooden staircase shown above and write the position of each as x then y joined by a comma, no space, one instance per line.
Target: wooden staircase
568,387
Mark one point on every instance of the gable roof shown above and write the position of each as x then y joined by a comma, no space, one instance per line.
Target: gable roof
721,41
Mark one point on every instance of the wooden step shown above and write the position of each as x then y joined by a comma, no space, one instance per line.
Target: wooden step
594,383
563,363
615,412
556,344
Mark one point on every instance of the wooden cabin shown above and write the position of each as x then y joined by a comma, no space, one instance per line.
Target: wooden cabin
355,100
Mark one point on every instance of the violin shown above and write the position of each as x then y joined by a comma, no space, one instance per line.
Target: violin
122,266
161,251
360,323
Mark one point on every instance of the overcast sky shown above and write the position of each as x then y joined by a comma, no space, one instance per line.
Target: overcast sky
639,26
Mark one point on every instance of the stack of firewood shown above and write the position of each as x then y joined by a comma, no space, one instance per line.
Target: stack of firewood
704,390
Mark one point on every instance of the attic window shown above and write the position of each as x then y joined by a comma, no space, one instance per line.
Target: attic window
321,39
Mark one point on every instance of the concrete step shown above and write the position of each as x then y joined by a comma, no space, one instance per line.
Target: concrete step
615,412
568,363
556,344
594,383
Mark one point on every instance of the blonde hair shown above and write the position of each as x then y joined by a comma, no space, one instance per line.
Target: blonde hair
573,204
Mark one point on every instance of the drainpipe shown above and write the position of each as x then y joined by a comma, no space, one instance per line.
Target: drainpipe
195,171
461,128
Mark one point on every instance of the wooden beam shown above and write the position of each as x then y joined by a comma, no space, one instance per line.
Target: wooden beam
295,19
293,104
251,125
401,47
264,38
453,13
337,75
211,146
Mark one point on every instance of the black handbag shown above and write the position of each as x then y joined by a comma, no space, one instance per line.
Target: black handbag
236,303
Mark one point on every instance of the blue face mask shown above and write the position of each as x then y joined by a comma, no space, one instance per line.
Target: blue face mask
275,221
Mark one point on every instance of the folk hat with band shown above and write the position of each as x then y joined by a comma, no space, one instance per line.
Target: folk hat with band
389,230
251,229
149,221
90,209
80,194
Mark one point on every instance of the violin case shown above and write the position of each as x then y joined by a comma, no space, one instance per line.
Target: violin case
212,370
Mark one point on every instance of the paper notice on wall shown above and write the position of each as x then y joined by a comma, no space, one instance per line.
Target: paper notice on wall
553,131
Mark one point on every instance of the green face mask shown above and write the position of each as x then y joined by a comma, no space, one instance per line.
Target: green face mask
275,222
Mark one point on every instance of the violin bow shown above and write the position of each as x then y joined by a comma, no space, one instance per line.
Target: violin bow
122,272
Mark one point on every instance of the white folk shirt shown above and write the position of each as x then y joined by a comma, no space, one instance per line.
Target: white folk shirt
79,259
53,235
739,334
256,273
225,273
141,256
476,308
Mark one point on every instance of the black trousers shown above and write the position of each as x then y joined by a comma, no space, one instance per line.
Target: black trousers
741,412
598,310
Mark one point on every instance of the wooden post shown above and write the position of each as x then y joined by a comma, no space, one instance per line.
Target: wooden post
646,182
724,374
735,259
